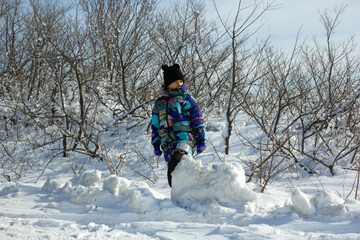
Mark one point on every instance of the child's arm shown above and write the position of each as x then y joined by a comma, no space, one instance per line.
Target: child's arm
155,126
197,120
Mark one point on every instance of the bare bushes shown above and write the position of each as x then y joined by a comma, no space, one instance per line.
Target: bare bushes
306,104
78,83
67,75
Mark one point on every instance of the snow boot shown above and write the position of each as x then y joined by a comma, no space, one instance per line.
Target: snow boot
175,159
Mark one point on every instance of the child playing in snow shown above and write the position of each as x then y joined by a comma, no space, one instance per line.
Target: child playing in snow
177,123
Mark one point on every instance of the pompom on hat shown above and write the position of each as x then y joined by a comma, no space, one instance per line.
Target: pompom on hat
172,74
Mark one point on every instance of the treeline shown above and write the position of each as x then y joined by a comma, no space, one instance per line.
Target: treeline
83,71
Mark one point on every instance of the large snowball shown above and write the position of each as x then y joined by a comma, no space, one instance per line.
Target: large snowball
222,182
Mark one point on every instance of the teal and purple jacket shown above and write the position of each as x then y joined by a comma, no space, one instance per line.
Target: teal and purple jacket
177,121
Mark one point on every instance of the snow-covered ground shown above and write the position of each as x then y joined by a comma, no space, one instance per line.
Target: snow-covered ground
209,200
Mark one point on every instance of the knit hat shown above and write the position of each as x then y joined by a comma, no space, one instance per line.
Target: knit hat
171,74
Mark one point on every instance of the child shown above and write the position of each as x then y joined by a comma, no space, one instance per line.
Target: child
177,123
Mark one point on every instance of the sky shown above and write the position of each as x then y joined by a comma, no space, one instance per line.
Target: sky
284,23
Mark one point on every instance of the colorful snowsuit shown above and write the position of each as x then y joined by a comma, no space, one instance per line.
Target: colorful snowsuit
177,123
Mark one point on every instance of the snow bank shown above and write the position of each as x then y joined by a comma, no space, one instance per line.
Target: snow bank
325,203
222,182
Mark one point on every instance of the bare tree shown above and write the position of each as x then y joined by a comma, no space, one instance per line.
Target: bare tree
238,33
333,75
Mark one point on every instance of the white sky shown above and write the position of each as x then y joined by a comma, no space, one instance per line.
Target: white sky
284,23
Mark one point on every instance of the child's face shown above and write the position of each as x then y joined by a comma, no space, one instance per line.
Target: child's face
176,84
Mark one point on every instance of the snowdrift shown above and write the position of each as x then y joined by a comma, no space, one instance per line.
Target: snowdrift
223,183
195,187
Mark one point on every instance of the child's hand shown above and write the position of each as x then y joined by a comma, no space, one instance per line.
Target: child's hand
201,147
157,150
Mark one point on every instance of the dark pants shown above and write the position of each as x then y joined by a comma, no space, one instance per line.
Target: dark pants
175,159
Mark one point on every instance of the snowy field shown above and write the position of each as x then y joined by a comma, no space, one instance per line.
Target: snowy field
209,200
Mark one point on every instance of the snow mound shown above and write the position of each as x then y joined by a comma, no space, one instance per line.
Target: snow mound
222,182
51,185
116,185
90,178
143,200
82,194
302,203
328,203
325,203
9,191
86,189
